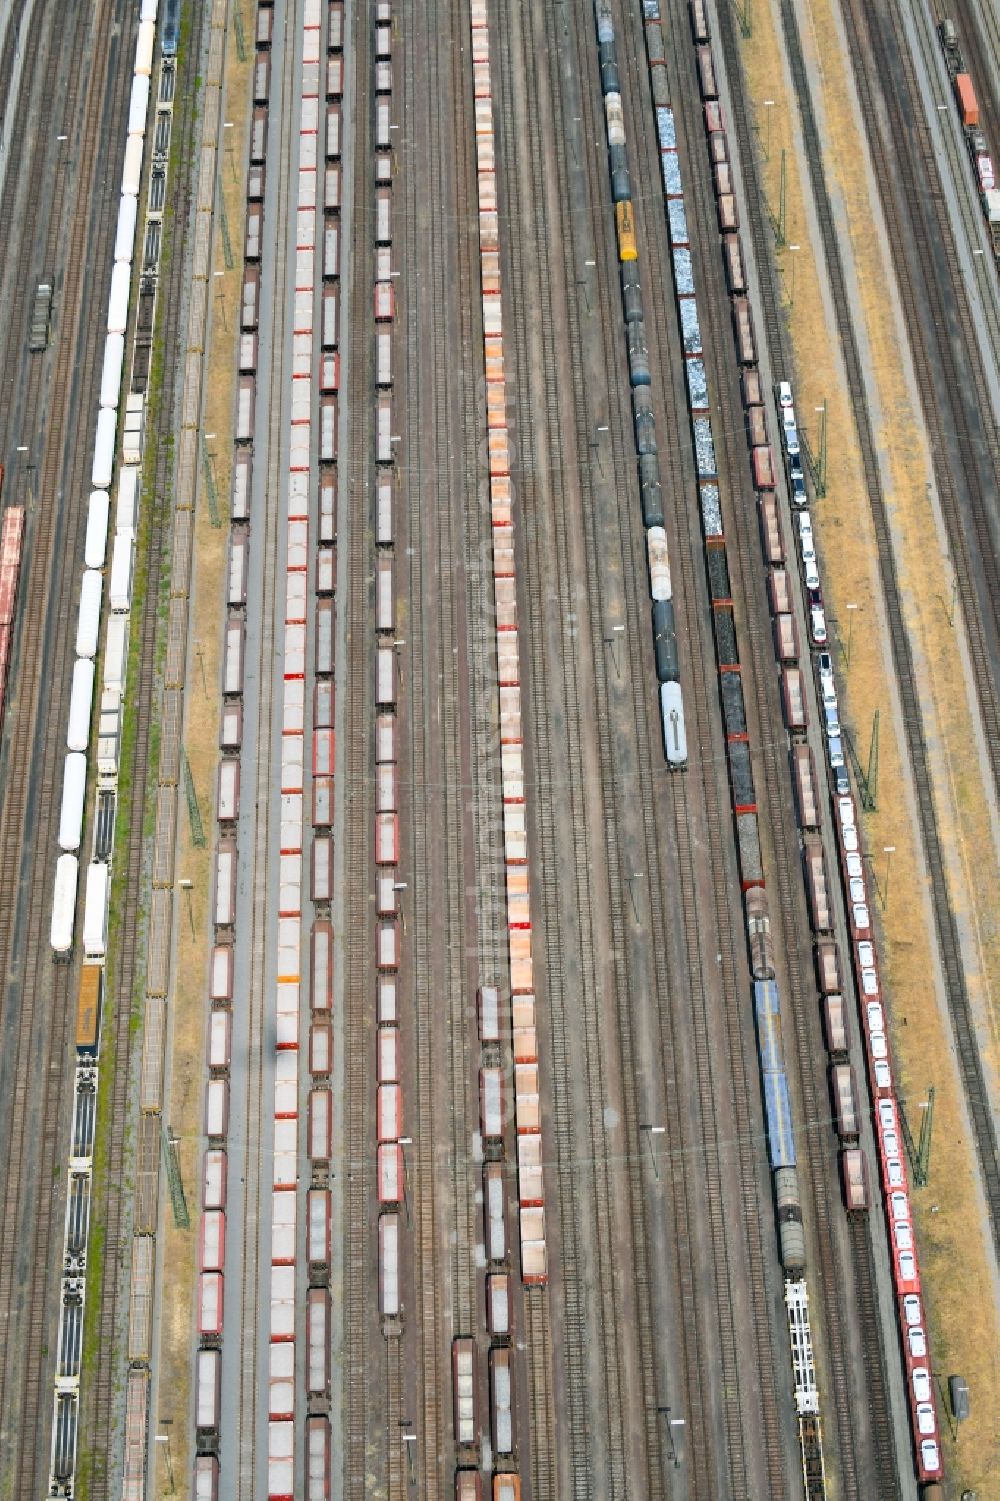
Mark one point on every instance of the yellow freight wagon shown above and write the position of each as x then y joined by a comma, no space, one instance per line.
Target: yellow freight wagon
625,220
88,1011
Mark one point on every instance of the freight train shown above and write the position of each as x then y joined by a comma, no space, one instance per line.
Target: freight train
665,651
983,165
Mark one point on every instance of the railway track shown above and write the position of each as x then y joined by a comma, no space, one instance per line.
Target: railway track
979,37
956,400
360,1250
952,137
268,534
121,1045
611,775
44,995
970,1063
431,568
789,919
581,1168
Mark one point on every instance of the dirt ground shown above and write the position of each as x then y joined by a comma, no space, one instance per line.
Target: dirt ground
951,1226
201,743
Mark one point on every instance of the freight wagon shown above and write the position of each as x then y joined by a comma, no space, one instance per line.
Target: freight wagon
804,769
88,1011
817,884
501,1402
625,225
794,699
466,1405
844,1095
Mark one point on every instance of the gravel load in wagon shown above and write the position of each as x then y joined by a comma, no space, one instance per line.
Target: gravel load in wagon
711,510
733,707
704,447
741,776
719,586
683,273
677,222
671,168
690,327
725,639
748,846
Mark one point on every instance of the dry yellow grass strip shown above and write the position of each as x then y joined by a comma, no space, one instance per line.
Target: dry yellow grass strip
189,997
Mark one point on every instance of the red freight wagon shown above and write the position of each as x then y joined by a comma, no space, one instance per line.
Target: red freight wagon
258,134
318,1242
734,273
756,426
324,637
214,1178
323,753
706,74
334,77
327,507
794,699
389,1112
320,1048
330,326
786,638
262,78
322,965
387,1055
335,26
774,542
386,789
498,1305
318,1342
250,305
390,1173
333,121
827,967
385,739
212,1241
817,883
322,868
329,374
221,973
387,944
385,301
753,396
210,1305
256,182
320,1119
332,188
854,1180
323,705
327,429
835,1028
464,1389
325,571
763,468
779,592
844,1093
322,802
386,839
805,786
388,1265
